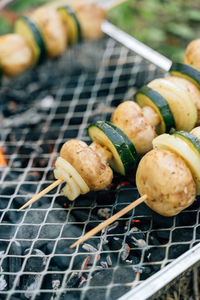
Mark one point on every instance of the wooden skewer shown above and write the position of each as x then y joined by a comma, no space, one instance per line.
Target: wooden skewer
42,193
110,220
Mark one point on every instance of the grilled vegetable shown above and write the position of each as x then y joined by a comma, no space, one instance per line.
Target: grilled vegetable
75,183
149,97
185,145
72,24
95,172
166,180
192,54
53,30
129,117
180,103
31,33
124,153
186,71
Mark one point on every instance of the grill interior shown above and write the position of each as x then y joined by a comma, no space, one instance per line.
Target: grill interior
40,110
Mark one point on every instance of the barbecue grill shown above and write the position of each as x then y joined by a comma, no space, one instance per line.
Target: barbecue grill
40,110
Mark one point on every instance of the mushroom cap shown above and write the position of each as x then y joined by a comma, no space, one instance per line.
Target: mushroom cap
167,181
192,54
87,163
90,17
129,117
53,30
15,54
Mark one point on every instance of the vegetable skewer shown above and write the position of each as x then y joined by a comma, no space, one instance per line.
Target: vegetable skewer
156,185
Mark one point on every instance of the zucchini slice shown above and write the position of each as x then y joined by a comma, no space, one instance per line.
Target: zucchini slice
69,18
180,103
124,154
149,97
185,145
186,71
30,31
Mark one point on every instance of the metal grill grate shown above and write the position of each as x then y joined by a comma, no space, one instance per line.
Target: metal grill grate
40,111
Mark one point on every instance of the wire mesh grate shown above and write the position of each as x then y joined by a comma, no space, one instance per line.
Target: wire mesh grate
40,111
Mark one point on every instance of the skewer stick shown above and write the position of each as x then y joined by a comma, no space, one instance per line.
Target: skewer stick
109,221
42,193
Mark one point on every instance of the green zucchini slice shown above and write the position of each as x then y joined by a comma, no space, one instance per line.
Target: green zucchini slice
185,145
69,18
187,72
146,96
30,31
124,154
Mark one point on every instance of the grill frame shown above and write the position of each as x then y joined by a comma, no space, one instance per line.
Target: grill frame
112,56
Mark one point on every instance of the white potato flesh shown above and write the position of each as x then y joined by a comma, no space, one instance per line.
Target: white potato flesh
53,30
190,88
192,54
167,181
15,54
181,105
96,174
129,117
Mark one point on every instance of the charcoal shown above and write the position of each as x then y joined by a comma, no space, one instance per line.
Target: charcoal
118,291
102,278
98,294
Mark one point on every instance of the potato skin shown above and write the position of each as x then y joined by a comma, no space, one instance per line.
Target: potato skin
167,181
191,89
15,54
192,54
96,174
90,17
129,118
53,30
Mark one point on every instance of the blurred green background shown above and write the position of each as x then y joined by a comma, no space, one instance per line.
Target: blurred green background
165,25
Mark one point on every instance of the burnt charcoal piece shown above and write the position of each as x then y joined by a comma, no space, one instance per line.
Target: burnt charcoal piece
36,264
159,237
12,217
57,216
97,294
102,277
34,176
63,247
198,232
29,283
81,108
50,231
27,232
176,250
13,176
8,189
13,263
4,202
118,291
73,280
45,246
81,215
156,254
7,231
20,162
72,230
52,281
70,295
186,219
26,149
27,188
34,217
182,235
70,134
62,110
75,120
59,263
124,275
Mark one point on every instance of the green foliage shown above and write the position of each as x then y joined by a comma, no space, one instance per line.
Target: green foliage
165,25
